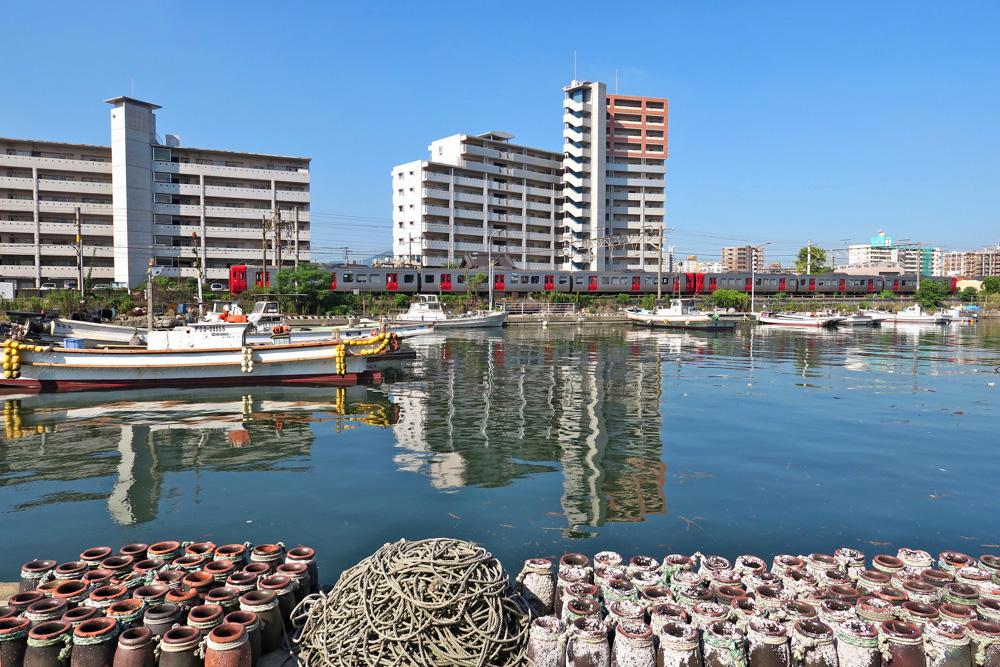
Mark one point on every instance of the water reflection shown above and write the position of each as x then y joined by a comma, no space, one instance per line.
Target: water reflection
137,437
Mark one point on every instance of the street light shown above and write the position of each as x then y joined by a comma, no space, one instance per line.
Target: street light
489,260
753,274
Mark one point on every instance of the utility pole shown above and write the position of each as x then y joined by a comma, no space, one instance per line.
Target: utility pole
200,267
277,239
263,249
659,266
809,256
79,253
149,296
920,262
296,237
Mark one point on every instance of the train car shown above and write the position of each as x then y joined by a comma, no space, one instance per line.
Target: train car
369,279
242,277
527,282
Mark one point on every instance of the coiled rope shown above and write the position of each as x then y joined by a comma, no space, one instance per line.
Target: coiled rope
430,602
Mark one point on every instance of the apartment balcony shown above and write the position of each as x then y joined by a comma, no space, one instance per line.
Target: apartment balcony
432,193
60,164
505,217
468,198
28,227
56,185
28,206
644,168
510,202
54,272
54,250
260,194
249,253
225,212
470,182
221,231
511,156
573,105
435,176
635,182
189,168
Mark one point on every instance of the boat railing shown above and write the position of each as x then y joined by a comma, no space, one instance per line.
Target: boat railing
539,308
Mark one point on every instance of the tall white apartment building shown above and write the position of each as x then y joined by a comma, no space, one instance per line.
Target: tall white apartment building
141,198
615,150
474,191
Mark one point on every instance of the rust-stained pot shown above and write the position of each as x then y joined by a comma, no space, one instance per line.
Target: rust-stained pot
704,614
136,550
128,613
184,599
94,643
234,552
251,624
172,578
74,592
13,641
77,616
876,610
644,578
545,642
47,643
870,581
151,594
755,581
219,570
812,644
269,554
200,549
726,594
952,561
797,610
769,598
48,588
607,559
903,644
582,608
23,600
689,597
744,609
587,645
747,564
573,559
260,569
984,638
190,562
887,564
674,563
97,578
921,591
850,560
161,617
665,612
946,644
958,593
167,551
784,563
243,581
33,572
915,559
135,648
225,597
617,589
834,578
937,578
975,576
624,610
43,611
892,595
857,644
228,646
119,566
536,586
678,645
818,564
602,575
179,647
200,582
957,613
833,611
708,565
918,613
569,574
94,555
71,570
988,610
843,592
265,605
767,643
307,555
724,645
281,586
299,574
204,617
7,611
633,645
650,596
105,596
148,565
643,563
686,579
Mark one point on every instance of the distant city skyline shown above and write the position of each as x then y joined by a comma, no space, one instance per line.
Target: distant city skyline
789,122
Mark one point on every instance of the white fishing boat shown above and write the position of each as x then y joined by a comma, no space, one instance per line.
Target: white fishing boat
857,321
877,316
204,353
680,314
915,315
799,319
962,314
106,332
427,308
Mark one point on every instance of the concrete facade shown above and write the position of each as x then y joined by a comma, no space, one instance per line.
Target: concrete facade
738,258
142,198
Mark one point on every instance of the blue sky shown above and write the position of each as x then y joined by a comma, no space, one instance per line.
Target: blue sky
788,120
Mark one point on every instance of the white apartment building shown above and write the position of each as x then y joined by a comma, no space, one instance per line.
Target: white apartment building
615,149
880,252
475,191
143,198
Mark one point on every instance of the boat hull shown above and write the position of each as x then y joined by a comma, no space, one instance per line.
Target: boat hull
797,322
689,324
473,322
94,331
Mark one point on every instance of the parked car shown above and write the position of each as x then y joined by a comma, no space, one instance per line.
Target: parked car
217,287
101,287
45,287
69,284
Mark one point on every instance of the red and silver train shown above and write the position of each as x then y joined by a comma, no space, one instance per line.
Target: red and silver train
511,281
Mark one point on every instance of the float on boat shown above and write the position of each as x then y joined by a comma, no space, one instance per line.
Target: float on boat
427,308
200,354
680,314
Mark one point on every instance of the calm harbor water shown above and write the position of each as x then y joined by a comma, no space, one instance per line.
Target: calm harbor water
535,442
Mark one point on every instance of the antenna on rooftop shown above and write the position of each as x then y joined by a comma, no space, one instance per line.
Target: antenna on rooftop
133,86
616,82
574,64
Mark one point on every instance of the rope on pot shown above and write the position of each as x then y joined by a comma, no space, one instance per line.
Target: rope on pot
429,602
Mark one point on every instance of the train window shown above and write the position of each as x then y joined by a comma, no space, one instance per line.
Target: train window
524,280
759,282
429,278
373,277
534,280
461,279
579,281
348,277
604,280
362,278
408,278
562,280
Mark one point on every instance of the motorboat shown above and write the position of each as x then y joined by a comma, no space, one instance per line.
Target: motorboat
680,314
199,354
963,314
915,315
857,320
877,316
427,308
106,332
799,319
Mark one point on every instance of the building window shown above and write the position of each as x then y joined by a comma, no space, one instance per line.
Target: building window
161,177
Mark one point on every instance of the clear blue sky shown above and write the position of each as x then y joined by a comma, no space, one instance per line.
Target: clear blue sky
788,120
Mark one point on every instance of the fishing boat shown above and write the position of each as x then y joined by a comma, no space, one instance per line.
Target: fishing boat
857,321
799,319
200,354
427,308
680,314
963,314
877,316
105,332
915,315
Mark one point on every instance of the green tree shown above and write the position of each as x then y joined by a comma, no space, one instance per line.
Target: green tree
308,283
969,294
991,284
730,298
648,302
473,282
813,259
623,299
887,294
931,294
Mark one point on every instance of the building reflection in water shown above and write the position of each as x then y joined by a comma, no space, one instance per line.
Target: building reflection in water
137,437
489,409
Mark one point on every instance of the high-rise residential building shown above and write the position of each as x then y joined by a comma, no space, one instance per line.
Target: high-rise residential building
972,263
614,166
877,252
598,204
927,260
141,198
738,258
474,193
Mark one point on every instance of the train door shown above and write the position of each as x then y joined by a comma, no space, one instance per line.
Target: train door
781,284
747,284
712,284
895,285
392,281
636,283
843,285
445,282
699,283
812,284
591,283
333,281
871,285
677,285
550,283
499,282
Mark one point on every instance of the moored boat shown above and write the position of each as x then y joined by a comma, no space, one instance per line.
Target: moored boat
680,314
915,315
427,308
799,319
201,354
857,321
